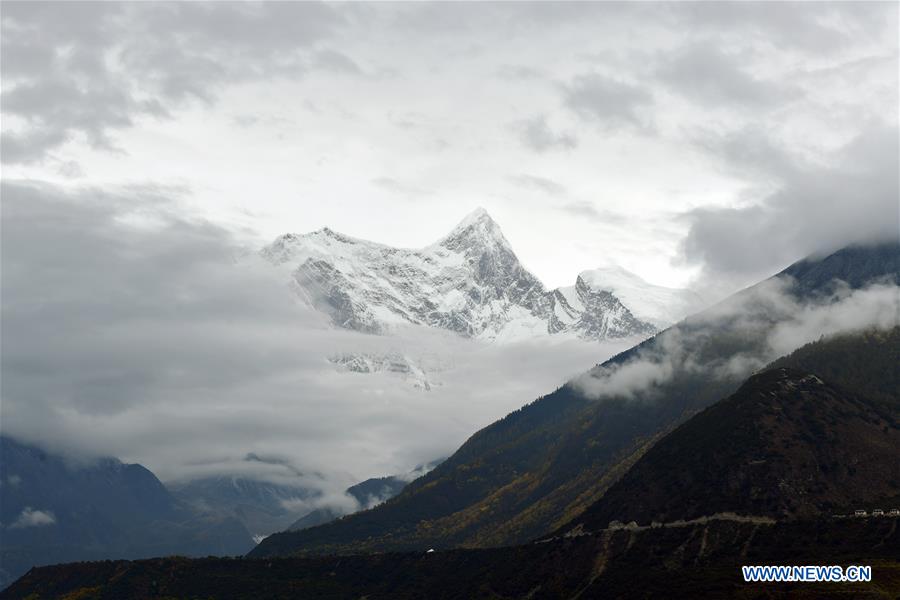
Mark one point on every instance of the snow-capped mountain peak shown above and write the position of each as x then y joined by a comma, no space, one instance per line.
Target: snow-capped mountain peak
470,282
656,304
477,231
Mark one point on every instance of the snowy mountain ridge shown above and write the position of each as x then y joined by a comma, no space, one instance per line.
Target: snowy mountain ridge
659,305
469,282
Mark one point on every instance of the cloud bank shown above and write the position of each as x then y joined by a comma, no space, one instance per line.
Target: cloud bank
854,198
767,322
131,330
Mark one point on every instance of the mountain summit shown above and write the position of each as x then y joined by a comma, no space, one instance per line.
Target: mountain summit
476,230
470,282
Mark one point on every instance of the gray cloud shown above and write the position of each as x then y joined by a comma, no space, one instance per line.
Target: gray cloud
706,74
454,19
750,152
33,518
536,134
398,187
519,73
333,60
610,102
816,208
541,184
56,109
31,146
91,69
772,323
587,210
817,27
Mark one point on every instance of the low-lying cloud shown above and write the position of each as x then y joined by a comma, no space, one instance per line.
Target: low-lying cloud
767,321
30,517
813,208
129,330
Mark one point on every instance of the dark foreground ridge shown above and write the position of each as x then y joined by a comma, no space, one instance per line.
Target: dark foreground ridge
695,561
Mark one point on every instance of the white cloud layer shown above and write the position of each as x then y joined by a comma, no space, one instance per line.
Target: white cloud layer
130,330
768,319
33,518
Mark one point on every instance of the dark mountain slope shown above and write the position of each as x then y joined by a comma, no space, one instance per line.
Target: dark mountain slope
785,445
259,505
539,467
867,364
854,265
52,511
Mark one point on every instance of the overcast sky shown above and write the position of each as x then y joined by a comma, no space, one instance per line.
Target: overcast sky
666,138
701,144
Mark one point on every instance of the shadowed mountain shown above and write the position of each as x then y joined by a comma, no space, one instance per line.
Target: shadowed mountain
865,363
539,467
786,445
855,265
368,493
262,506
53,510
